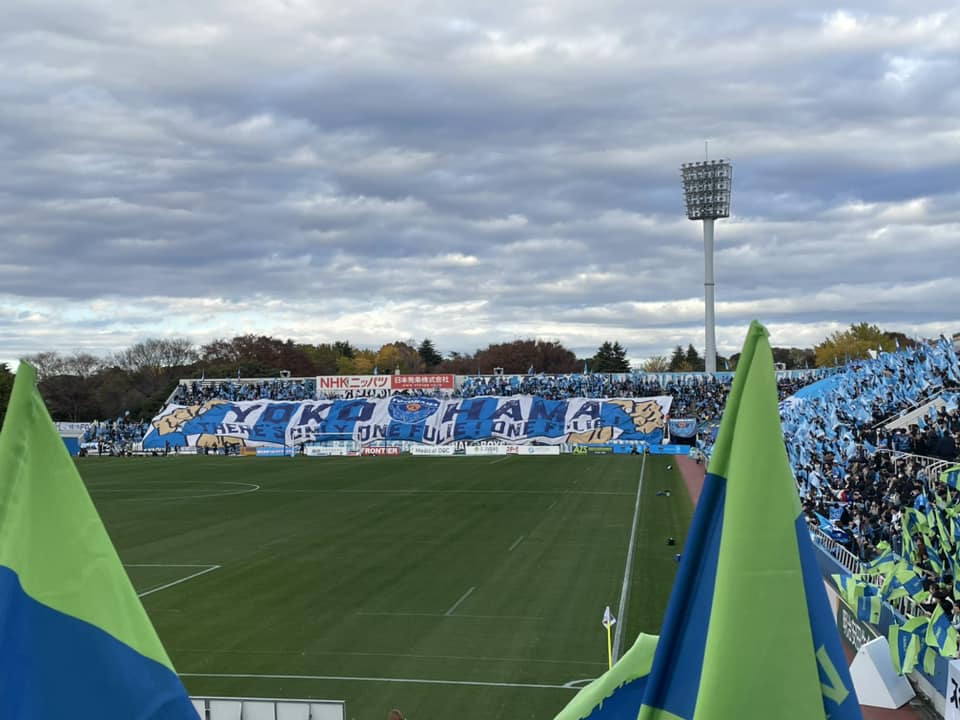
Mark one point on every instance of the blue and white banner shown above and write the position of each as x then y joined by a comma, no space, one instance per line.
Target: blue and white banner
427,420
683,428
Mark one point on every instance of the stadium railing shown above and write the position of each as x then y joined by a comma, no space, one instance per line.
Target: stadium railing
842,555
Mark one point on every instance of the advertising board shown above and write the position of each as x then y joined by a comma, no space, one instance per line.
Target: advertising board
327,451
433,450
485,450
422,382
533,450
381,450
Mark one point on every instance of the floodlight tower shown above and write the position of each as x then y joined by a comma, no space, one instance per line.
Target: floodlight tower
706,191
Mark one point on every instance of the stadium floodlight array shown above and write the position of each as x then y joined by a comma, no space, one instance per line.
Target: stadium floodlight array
706,189
706,192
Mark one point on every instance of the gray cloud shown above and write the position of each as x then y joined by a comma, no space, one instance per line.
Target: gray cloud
380,171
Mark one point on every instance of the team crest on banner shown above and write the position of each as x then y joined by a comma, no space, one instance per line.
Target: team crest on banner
412,410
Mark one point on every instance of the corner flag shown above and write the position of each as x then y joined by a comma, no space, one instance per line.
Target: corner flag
75,642
748,631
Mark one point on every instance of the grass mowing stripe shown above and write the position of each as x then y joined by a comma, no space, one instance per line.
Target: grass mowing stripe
628,568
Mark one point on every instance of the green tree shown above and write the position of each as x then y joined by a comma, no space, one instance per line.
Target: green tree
344,348
547,356
695,363
852,344
400,355
603,358
794,358
611,357
428,353
678,361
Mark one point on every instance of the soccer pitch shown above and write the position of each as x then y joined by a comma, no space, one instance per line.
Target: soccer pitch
448,587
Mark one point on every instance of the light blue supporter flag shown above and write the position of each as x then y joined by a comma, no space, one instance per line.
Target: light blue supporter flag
75,641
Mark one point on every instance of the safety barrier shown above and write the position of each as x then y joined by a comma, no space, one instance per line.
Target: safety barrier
239,708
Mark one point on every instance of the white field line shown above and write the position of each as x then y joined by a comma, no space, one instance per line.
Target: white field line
552,506
515,543
248,488
458,602
461,616
338,653
494,462
354,678
209,569
628,568
162,565
420,491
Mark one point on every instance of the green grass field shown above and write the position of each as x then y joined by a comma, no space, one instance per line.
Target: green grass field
448,587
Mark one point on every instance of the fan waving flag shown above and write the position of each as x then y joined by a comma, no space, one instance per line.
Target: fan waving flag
748,632
75,641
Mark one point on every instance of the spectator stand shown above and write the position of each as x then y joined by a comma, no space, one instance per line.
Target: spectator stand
196,392
120,436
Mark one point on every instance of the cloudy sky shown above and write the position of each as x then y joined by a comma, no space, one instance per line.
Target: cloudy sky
473,172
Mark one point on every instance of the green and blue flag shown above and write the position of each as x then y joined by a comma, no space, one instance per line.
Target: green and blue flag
75,641
941,634
906,642
951,477
749,577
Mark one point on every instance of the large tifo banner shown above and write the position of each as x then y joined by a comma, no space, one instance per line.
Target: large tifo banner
427,420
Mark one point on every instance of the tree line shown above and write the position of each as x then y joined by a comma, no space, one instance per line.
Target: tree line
80,386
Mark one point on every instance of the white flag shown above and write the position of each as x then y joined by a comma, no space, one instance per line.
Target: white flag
608,619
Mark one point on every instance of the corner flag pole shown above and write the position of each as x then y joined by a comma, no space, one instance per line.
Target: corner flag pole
608,622
609,650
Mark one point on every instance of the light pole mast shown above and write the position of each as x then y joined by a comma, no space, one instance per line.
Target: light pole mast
706,191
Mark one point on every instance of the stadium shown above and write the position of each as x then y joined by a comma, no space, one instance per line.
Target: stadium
354,361
447,543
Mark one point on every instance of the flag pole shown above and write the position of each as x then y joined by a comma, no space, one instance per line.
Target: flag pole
607,622
609,650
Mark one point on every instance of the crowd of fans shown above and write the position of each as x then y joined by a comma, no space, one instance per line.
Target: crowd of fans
877,492
114,436
841,460
694,395
199,391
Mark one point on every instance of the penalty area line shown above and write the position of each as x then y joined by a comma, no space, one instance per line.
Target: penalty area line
458,602
355,678
209,569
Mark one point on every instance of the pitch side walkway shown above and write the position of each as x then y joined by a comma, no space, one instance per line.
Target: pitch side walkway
693,475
